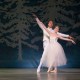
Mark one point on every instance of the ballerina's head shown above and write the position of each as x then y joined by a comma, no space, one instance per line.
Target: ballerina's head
56,29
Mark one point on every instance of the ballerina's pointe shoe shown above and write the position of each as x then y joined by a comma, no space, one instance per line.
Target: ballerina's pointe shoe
48,71
54,71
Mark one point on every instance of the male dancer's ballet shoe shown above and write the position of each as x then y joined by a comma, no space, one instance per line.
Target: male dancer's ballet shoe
38,70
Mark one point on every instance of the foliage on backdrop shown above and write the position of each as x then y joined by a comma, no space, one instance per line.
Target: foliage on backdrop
21,37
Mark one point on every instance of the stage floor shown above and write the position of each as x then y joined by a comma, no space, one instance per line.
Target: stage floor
30,74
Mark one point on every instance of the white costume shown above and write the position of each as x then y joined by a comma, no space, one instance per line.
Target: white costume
51,49
54,54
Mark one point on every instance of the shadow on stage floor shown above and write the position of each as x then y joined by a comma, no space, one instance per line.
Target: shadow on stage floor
30,74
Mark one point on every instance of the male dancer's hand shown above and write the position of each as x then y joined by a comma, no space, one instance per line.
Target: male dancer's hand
70,37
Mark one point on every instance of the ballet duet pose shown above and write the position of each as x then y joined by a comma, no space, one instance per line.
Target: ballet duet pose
53,54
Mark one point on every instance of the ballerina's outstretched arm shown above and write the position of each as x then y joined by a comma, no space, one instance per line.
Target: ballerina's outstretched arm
66,39
41,25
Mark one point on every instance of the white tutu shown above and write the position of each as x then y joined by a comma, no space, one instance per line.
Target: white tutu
53,55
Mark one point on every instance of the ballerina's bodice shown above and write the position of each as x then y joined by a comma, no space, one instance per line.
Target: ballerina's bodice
53,39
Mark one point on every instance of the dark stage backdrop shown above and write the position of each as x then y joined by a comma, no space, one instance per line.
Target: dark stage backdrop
21,37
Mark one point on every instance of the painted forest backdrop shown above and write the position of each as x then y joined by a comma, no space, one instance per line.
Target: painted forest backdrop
21,38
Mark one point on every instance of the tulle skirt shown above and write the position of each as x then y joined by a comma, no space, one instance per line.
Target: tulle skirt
53,55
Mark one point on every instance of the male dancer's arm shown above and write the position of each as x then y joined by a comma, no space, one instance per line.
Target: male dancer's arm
65,35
